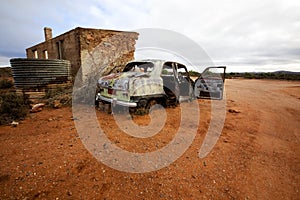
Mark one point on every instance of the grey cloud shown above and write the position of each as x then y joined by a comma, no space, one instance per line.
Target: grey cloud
250,32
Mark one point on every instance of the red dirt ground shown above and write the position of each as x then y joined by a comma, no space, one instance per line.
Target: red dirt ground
256,157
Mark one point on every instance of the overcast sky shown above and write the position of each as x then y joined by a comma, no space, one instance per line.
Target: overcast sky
245,35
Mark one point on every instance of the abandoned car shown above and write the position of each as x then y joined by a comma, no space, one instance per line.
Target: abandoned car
145,83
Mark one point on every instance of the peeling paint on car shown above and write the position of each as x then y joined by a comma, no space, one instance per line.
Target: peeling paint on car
143,81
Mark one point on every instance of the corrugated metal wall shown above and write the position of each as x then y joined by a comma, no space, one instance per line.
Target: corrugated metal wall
35,73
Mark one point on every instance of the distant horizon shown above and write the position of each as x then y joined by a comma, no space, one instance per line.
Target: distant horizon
227,71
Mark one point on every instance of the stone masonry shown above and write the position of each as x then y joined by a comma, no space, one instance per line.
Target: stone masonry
88,50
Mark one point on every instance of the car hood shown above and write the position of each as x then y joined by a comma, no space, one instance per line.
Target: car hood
119,80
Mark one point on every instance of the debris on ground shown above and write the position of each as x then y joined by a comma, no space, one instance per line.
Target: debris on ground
37,107
233,111
14,124
57,104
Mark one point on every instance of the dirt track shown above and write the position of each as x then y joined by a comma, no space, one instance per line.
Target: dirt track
256,157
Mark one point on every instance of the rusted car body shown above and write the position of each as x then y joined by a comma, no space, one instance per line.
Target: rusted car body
147,82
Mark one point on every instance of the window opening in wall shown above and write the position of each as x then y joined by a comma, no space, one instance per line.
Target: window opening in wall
45,54
35,53
60,50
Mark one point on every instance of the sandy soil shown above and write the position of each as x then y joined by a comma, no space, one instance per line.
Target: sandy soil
256,157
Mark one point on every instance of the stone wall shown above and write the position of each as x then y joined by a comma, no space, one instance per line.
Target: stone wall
89,50
65,46
105,51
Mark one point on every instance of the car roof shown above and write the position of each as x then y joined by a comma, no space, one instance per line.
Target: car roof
154,61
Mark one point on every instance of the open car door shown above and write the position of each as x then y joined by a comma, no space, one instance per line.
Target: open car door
210,84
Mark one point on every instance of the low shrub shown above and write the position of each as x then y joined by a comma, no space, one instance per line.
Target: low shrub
12,107
6,84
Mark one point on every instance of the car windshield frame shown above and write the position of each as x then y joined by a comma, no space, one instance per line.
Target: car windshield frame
143,67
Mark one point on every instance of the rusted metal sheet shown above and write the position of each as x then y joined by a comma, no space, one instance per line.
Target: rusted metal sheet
35,73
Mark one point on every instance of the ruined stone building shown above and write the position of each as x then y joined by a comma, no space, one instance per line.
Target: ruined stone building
87,49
